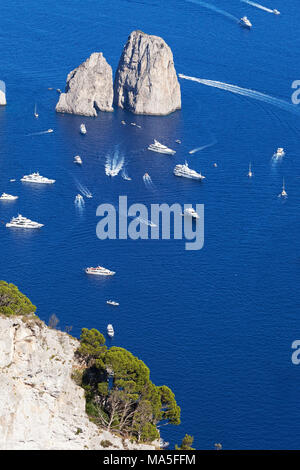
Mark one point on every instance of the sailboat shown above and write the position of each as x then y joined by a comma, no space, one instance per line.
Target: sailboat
283,192
250,174
35,112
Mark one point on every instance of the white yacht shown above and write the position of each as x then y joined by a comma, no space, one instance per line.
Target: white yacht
112,302
123,122
36,178
250,173
12,180
99,271
77,159
22,222
35,112
279,153
191,212
82,129
245,22
110,330
79,199
8,197
283,192
178,141
276,12
186,172
160,148
135,124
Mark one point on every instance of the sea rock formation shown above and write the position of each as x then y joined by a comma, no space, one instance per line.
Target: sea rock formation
89,88
2,93
41,407
146,80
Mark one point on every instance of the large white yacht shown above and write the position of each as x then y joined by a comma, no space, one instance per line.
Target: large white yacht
77,159
110,330
22,222
160,148
36,178
191,212
8,197
99,271
82,129
279,153
245,22
186,172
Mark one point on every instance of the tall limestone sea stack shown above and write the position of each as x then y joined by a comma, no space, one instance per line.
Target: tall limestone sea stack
2,93
89,88
146,80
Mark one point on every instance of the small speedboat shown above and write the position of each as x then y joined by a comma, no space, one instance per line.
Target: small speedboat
12,180
245,22
82,129
250,173
8,197
113,303
78,160
178,141
215,165
276,12
283,192
49,131
191,212
279,153
110,330
36,115
123,122
79,199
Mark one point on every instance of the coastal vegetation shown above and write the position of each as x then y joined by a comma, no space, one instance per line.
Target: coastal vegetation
186,443
13,302
120,395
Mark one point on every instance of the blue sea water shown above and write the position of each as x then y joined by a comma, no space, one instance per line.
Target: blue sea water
216,325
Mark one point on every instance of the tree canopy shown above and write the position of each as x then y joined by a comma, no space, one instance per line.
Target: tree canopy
13,302
120,394
186,443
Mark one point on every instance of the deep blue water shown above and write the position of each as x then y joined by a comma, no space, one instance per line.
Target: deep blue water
215,325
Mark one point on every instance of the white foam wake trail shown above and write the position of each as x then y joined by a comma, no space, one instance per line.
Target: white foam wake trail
83,189
257,5
214,8
145,221
202,148
114,164
148,181
41,133
125,176
257,95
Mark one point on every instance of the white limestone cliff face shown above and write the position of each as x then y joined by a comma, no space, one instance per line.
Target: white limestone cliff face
89,88
2,93
146,80
41,407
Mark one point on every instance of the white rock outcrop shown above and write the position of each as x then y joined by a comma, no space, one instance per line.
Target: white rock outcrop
146,80
2,93
89,88
41,407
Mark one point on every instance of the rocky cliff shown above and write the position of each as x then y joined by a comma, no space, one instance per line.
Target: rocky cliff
146,80
41,407
2,93
89,88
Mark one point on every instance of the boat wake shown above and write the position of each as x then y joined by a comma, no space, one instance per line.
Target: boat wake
125,176
257,95
216,9
49,131
83,189
257,5
202,148
148,181
79,204
114,164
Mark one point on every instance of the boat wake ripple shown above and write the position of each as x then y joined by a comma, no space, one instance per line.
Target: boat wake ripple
214,8
257,95
83,189
202,148
257,5
148,181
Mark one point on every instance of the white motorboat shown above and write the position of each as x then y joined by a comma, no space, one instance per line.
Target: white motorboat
23,222
35,112
36,178
245,22
283,192
123,122
191,212
79,199
160,148
215,165
250,173
8,197
113,303
279,153
12,180
77,159
49,131
178,141
82,129
276,12
99,271
186,172
110,330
